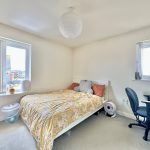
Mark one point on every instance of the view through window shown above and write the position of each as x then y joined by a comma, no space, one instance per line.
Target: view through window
143,60
15,64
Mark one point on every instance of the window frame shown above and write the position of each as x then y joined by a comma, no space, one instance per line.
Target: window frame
1,75
139,47
4,42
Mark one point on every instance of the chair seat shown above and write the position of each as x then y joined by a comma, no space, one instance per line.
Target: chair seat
141,111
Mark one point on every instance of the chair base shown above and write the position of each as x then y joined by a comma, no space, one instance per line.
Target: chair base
136,124
145,137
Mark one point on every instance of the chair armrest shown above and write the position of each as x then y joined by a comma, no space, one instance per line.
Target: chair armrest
147,102
147,110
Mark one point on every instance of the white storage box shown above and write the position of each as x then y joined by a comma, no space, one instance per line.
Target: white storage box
11,112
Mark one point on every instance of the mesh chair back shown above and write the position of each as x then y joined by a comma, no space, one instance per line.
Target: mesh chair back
132,96
148,111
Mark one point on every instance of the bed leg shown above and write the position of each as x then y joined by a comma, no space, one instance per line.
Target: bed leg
97,113
68,133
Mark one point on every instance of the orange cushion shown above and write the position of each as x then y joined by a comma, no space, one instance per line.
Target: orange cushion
98,89
73,85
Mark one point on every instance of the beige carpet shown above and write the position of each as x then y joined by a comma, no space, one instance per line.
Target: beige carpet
96,133
103,133
15,137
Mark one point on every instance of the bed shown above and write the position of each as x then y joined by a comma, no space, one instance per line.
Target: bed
48,116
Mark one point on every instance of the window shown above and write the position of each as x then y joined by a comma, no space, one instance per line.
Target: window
143,61
15,64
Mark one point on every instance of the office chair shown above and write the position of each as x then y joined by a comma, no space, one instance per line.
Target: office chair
139,111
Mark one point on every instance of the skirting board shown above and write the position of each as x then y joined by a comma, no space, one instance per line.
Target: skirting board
128,115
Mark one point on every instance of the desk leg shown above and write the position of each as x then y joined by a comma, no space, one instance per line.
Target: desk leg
146,131
146,134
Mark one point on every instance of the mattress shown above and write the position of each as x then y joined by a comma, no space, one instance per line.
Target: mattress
48,114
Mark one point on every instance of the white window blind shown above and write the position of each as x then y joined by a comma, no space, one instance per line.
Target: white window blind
15,64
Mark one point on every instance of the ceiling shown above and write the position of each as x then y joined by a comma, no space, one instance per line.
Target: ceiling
101,18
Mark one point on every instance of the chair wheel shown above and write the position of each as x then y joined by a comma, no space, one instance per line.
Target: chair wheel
144,138
130,126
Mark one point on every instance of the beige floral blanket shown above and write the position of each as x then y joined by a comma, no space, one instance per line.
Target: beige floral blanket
47,114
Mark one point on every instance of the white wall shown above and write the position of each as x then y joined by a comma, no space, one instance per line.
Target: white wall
51,63
112,59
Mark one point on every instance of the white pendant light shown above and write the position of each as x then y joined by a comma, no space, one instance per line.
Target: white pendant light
70,24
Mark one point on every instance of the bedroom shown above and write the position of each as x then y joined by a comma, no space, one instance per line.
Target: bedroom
105,50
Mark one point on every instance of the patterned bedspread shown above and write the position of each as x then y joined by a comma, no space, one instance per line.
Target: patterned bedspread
47,114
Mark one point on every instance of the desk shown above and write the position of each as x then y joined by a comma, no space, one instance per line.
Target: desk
148,117
147,96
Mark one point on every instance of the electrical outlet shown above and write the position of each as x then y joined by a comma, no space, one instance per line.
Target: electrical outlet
126,101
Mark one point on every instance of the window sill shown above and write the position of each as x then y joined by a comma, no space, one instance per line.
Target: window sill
145,80
16,93
22,93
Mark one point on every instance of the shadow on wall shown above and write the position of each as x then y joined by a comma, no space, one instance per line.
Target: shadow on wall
124,104
111,95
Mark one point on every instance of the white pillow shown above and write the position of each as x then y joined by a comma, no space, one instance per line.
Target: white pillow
90,91
85,86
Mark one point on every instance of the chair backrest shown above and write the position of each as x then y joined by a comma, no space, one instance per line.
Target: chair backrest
148,111
132,96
